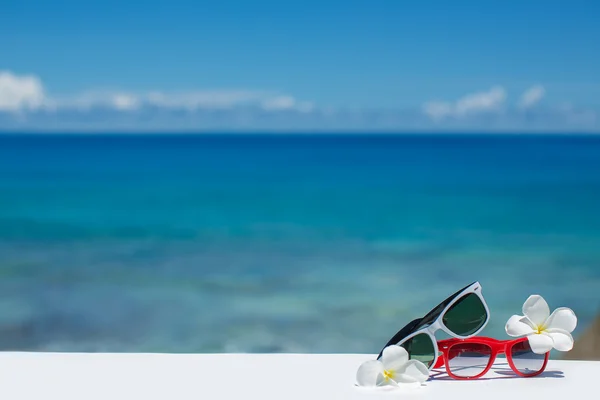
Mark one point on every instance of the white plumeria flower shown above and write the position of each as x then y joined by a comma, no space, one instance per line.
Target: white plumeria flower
543,330
393,368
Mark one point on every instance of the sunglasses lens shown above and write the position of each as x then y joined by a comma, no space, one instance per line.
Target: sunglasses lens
466,316
525,360
420,347
467,360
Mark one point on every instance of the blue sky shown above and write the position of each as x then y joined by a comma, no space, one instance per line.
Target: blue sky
398,65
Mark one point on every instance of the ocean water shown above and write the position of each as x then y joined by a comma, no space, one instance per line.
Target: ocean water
285,243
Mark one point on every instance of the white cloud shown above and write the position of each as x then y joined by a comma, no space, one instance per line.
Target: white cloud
438,109
279,103
491,100
210,99
86,101
305,106
24,104
125,102
20,92
532,96
482,101
287,103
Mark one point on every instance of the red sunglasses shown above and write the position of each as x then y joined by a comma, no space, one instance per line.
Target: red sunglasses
472,358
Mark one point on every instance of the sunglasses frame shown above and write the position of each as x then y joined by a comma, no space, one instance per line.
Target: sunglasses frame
496,346
437,324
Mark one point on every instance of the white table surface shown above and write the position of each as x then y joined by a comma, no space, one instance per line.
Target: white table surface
80,376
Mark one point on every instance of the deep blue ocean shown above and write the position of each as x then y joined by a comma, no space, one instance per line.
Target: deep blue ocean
285,243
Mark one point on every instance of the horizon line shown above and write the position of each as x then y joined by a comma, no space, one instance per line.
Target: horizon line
282,132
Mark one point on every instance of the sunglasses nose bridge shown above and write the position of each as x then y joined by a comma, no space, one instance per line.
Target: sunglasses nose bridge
437,325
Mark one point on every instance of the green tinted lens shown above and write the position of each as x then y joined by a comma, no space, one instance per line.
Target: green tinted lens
420,347
466,316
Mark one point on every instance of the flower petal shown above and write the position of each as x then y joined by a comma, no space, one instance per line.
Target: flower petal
394,357
536,309
392,382
540,343
518,325
413,371
562,318
563,341
381,381
368,372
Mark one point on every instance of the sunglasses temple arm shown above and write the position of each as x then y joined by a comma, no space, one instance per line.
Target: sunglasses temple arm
440,362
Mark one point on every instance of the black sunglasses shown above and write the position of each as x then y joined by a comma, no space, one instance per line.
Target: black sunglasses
462,315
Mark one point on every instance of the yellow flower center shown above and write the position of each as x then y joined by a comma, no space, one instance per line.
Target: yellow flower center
540,329
388,375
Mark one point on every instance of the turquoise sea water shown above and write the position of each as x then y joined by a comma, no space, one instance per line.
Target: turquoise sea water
285,243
